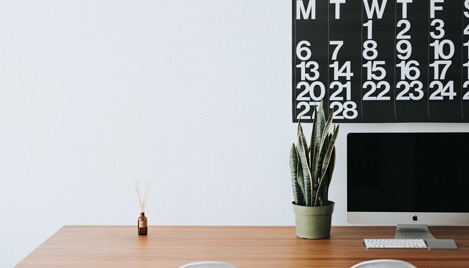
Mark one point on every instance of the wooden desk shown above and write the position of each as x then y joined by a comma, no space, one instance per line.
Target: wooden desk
172,246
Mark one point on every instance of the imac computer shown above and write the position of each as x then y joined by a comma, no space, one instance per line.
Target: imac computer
411,180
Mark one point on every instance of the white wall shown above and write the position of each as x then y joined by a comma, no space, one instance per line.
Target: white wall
193,96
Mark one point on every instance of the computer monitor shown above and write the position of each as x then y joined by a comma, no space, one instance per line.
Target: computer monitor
409,180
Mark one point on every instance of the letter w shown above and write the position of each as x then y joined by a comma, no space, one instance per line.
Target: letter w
374,7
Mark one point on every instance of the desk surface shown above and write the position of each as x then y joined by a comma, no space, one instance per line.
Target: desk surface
245,246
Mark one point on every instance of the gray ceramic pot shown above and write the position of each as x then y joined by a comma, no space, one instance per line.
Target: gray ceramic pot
313,222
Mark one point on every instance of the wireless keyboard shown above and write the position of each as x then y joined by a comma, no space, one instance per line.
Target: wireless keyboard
394,243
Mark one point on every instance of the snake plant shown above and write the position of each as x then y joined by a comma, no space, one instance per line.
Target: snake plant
312,165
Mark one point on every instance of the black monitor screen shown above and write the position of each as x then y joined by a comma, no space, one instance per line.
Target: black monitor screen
408,172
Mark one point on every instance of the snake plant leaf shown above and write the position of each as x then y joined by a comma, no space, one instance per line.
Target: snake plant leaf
300,190
297,176
323,192
331,167
323,144
324,178
302,140
330,171
316,143
303,156
317,131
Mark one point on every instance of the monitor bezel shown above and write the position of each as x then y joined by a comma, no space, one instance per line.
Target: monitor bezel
397,218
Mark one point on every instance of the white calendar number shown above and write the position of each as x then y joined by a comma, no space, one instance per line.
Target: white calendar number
303,52
340,89
342,71
466,65
467,45
442,91
381,88
409,69
439,31
466,5
314,91
369,50
369,27
338,45
406,27
304,92
404,47
375,70
466,30
305,108
346,110
309,70
466,96
443,49
440,67
410,90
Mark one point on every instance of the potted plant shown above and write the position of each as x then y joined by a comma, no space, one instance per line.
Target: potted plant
312,167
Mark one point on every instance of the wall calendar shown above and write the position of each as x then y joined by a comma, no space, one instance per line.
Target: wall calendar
381,60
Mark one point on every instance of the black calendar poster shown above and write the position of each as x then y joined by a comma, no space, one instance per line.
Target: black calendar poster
381,60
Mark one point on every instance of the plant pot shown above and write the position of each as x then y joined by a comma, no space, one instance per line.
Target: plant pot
313,222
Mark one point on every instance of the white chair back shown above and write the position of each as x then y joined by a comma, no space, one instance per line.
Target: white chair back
383,263
208,264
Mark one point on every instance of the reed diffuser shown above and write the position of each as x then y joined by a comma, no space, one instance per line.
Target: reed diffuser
142,223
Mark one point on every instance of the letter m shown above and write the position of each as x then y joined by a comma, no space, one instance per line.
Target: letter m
305,13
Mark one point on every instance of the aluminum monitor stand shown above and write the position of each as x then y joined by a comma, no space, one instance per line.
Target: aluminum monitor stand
404,231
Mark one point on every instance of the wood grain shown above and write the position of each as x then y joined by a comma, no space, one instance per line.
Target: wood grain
245,246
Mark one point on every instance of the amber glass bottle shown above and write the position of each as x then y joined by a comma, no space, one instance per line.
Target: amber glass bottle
142,224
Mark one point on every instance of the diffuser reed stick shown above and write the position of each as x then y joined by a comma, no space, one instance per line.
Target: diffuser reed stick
142,194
